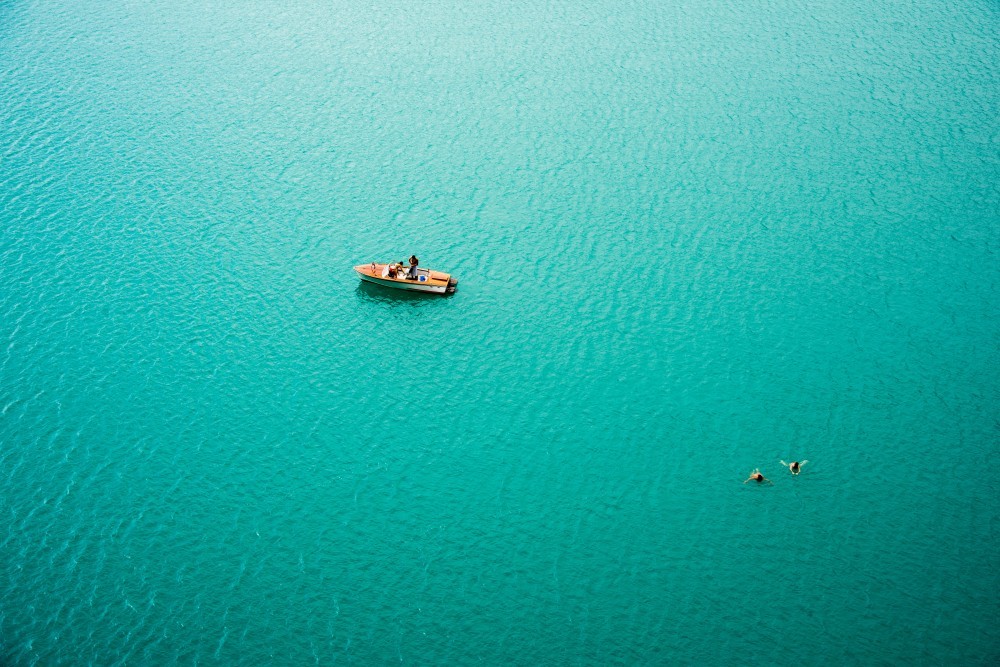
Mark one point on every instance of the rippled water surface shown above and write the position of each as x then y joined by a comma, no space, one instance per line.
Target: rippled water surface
692,238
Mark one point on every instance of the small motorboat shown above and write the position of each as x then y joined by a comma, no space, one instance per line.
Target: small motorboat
393,275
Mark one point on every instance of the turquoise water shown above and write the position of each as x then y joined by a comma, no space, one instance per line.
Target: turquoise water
692,239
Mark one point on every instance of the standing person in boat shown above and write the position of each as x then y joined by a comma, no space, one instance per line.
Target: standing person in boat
412,275
795,466
757,477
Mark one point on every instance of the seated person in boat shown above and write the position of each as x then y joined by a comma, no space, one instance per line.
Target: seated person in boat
392,270
412,275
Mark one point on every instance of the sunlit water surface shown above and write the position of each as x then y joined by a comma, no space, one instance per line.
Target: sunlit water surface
693,239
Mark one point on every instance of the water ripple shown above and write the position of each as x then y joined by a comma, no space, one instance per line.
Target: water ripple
691,240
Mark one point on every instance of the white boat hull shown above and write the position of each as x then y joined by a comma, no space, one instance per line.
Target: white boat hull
427,281
409,285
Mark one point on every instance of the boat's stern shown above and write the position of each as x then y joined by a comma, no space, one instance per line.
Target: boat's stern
450,281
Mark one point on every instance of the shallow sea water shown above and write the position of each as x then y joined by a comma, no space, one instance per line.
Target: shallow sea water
692,239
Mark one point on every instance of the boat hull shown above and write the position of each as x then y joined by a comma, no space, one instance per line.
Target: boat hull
428,281
410,286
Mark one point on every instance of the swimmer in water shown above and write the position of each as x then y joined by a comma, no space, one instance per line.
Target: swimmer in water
795,466
757,477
